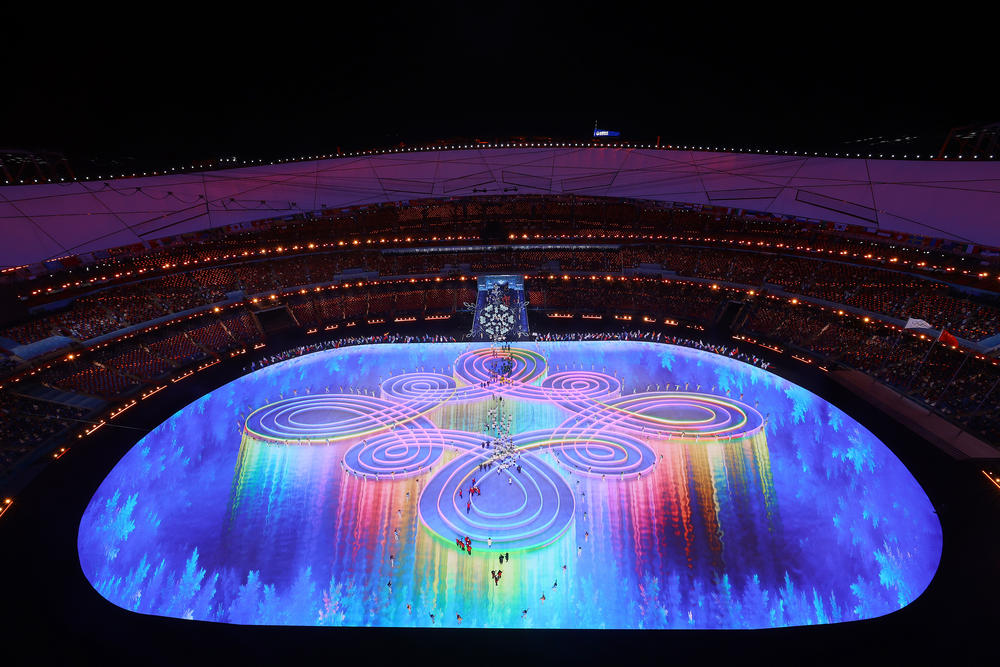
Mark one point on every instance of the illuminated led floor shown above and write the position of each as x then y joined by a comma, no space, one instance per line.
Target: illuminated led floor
645,486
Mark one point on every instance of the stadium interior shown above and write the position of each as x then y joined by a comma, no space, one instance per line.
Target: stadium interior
98,349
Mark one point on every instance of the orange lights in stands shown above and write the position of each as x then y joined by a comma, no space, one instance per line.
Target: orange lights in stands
994,479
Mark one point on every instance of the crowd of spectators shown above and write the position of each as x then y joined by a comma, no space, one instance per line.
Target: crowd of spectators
274,259
26,423
839,339
533,217
657,337
110,369
878,291
344,342
959,384
687,301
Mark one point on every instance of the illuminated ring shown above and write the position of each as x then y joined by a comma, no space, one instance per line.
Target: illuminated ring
673,414
574,390
476,366
324,418
578,389
534,510
595,454
420,391
403,452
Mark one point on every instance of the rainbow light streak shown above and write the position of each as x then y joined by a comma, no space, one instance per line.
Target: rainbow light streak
274,500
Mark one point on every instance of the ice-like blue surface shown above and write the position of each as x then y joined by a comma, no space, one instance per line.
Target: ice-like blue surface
815,521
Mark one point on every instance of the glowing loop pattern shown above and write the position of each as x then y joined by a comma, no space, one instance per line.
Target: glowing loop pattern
404,452
483,364
674,414
597,454
419,391
515,510
579,389
324,418
528,509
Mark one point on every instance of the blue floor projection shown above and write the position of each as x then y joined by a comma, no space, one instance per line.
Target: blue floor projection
550,485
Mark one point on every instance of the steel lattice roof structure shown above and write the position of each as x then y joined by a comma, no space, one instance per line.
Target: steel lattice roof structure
953,200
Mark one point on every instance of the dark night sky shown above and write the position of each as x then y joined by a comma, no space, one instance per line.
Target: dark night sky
170,85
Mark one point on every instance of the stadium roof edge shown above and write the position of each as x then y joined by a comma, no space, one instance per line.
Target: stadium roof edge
952,200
